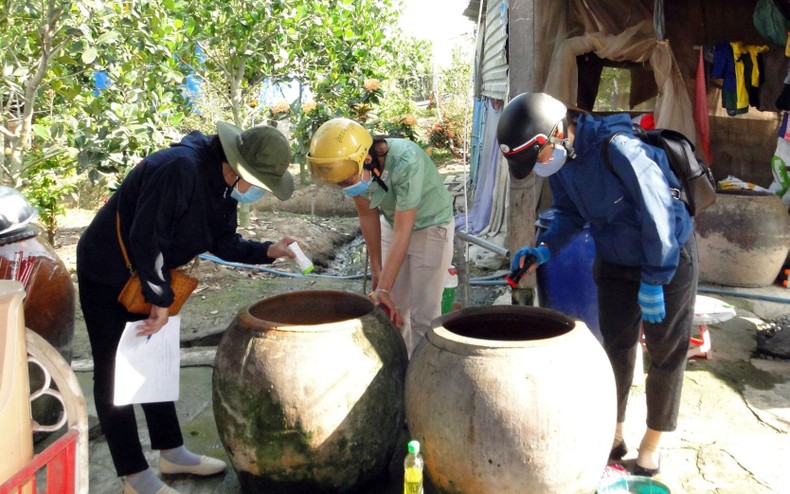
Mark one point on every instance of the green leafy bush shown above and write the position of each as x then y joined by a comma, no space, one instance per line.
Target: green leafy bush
45,184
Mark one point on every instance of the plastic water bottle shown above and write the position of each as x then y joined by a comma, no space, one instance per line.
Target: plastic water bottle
412,475
305,264
448,294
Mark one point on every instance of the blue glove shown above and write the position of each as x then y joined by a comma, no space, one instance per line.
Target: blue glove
651,300
541,253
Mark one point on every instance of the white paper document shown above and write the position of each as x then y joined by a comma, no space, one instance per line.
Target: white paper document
147,369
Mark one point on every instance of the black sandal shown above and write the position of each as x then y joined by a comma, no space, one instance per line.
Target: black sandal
618,451
646,472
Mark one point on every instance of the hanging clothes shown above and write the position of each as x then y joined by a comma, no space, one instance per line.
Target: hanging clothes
748,75
783,100
770,22
758,73
775,69
784,129
724,68
480,213
741,95
741,68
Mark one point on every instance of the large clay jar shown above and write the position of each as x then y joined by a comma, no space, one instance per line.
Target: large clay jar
743,239
27,257
511,399
50,296
308,392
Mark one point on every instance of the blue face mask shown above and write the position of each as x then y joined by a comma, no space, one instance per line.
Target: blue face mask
253,194
357,189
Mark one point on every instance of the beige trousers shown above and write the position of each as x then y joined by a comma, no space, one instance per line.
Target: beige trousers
418,288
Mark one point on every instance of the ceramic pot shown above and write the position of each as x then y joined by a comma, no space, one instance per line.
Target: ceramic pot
49,303
308,392
511,399
742,239
50,297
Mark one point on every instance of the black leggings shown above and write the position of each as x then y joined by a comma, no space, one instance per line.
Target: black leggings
667,343
105,319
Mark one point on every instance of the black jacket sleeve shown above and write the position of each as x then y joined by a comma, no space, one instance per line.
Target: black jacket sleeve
231,246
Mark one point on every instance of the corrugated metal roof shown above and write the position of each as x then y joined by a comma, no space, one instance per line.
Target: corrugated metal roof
494,73
472,10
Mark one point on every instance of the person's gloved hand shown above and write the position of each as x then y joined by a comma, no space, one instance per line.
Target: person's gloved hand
541,253
651,300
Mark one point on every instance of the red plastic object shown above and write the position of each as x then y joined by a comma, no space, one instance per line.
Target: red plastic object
515,276
59,461
700,347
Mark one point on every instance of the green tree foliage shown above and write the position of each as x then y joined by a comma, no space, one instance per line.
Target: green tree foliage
46,181
453,104
331,47
238,44
50,103
52,110
139,46
33,35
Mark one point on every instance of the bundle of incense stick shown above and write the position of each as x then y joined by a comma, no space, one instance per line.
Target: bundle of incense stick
20,269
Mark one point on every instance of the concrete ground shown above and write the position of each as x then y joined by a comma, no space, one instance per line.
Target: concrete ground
732,436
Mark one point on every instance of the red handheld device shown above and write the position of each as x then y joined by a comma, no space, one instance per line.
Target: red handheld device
515,276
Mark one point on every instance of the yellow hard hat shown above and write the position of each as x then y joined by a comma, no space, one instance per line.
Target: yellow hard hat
338,150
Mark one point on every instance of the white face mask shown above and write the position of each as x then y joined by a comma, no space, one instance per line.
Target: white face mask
558,157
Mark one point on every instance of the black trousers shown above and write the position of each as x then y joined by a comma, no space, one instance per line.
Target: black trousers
105,319
667,343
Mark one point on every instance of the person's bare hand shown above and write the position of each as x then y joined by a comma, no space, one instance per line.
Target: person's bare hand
157,318
383,297
280,248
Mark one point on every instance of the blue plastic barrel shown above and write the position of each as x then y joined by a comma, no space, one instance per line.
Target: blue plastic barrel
565,282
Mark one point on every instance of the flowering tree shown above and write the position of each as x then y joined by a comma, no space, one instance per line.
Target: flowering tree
403,125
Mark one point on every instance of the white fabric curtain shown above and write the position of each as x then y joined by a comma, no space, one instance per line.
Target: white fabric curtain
638,44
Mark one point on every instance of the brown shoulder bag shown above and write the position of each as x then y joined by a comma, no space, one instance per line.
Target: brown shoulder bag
132,297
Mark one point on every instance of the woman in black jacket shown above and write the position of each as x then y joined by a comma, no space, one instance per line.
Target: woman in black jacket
174,205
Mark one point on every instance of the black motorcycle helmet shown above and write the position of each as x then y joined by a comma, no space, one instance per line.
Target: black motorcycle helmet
526,124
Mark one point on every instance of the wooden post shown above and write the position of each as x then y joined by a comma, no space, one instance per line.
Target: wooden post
526,74
521,231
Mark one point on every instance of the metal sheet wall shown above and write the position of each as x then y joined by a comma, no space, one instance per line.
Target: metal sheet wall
494,73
